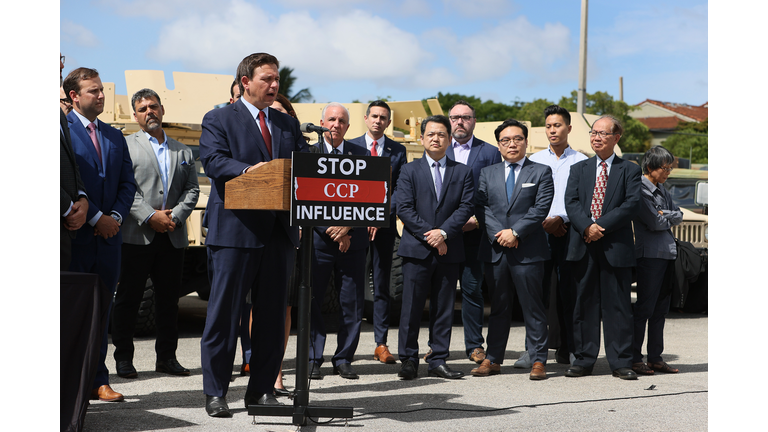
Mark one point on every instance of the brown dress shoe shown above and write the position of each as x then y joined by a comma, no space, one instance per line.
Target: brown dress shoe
106,394
538,371
486,368
478,355
383,355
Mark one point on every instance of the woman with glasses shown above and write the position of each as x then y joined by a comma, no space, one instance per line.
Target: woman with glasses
655,250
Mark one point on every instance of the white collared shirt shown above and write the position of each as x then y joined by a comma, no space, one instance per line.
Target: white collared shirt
379,144
517,167
561,169
163,160
441,162
608,162
255,113
329,147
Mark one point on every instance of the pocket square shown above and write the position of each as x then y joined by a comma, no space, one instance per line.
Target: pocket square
525,185
183,162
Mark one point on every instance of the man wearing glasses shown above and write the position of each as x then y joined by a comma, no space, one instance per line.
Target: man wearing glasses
513,199
476,154
602,196
434,201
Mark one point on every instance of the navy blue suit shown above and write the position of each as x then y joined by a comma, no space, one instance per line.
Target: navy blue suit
425,272
601,270
248,249
349,272
110,189
481,155
516,270
384,242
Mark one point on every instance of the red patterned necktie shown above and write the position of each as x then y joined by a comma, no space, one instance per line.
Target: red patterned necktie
599,194
265,133
373,149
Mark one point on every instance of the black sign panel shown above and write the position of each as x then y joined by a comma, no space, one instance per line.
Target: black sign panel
340,190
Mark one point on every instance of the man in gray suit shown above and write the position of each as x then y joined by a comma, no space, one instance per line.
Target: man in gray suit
512,200
154,237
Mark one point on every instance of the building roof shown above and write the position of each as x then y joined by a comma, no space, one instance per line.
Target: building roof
660,123
697,113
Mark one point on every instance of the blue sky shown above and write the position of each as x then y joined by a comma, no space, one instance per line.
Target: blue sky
502,50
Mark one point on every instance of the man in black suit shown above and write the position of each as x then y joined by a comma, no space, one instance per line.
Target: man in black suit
476,154
434,202
513,198
602,195
377,119
249,249
341,251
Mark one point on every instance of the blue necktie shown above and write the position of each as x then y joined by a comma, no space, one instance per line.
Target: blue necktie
510,182
438,179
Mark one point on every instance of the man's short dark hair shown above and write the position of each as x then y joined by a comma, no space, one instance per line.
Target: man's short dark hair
232,89
249,64
509,123
443,120
655,158
558,110
144,93
72,81
462,102
379,103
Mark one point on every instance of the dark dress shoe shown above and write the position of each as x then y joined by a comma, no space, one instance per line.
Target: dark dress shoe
345,370
216,406
262,399
444,371
125,369
578,371
625,373
408,370
281,392
314,371
171,366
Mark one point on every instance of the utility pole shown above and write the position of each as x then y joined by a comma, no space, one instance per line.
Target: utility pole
582,91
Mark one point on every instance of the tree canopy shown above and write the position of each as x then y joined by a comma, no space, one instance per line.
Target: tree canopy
690,140
287,80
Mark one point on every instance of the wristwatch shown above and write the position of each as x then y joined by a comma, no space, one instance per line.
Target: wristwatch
117,218
445,236
514,233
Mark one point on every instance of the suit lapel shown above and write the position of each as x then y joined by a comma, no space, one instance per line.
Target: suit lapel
146,149
588,180
473,152
617,172
76,128
249,122
277,133
387,148
525,174
428,172
446,181
174,161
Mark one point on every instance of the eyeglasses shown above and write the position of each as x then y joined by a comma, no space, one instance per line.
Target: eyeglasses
436,134
666,168
62,59
505,142
466,118
602,134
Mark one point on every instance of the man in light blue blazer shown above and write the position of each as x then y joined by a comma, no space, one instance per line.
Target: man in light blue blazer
154,235
105,168
513,199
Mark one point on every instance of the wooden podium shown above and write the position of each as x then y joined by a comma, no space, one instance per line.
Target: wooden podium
268,187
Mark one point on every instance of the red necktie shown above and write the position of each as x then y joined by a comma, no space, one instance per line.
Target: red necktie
598,196
265,133
95,139
373,149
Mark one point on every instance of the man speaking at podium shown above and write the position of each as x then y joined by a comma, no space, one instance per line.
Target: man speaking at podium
250,249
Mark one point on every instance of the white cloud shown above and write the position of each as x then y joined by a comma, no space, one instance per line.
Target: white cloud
476,8
78,34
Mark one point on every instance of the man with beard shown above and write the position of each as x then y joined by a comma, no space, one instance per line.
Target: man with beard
153,236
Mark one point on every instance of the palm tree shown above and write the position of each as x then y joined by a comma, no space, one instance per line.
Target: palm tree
286,83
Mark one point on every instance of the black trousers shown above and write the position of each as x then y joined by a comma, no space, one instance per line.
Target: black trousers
654,279
163,263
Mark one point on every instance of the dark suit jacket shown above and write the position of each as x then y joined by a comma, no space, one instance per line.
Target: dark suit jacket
70,182
359,235
622,201
481,155
113,191
421,211
231,141
397,158
531,200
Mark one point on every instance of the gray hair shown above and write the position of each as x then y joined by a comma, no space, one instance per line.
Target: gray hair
617,126
334,104
655,158
144,94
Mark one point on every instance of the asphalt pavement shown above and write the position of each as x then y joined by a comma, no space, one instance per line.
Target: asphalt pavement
383,402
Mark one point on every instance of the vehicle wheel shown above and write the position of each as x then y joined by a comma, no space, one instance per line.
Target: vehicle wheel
145,322
395,287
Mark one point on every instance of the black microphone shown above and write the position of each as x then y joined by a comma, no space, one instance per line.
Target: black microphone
309,127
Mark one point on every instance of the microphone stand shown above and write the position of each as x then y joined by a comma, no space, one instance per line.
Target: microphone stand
301,410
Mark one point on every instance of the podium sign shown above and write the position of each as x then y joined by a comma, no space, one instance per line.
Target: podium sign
340,190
